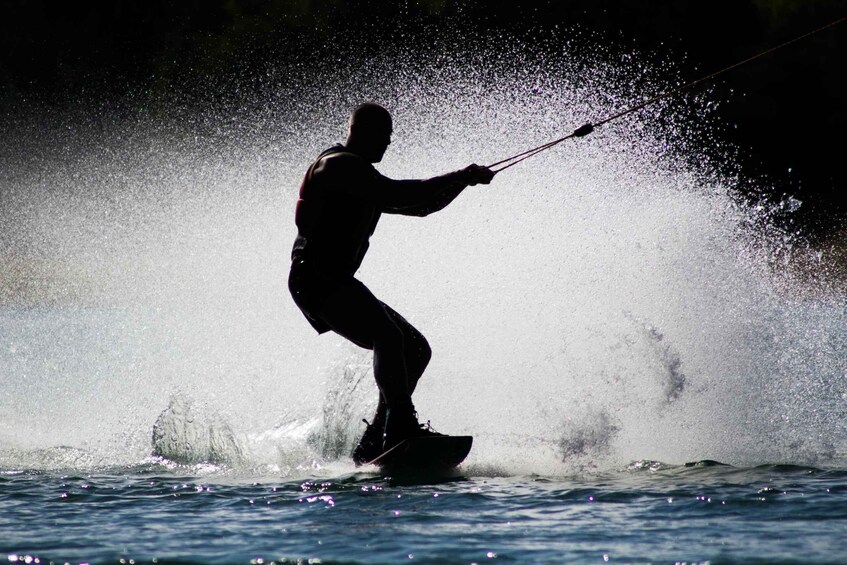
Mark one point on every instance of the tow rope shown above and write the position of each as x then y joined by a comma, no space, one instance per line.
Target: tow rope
590,127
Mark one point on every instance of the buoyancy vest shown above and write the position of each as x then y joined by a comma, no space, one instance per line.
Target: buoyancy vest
334,226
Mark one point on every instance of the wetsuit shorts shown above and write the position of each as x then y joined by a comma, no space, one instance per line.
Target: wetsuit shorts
310,288
347,307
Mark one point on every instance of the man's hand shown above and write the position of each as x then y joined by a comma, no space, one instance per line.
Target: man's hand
477,174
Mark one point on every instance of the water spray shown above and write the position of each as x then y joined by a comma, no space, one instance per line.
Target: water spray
586,129
633,316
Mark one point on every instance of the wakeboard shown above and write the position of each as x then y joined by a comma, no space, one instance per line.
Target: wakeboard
425,454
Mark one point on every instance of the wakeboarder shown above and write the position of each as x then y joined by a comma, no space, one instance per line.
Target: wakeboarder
341,199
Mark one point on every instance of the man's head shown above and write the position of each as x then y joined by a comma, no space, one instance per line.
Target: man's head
369,132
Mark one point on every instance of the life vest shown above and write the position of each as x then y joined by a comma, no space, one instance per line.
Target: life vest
333,225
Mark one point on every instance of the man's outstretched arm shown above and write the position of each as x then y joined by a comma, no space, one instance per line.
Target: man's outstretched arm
438,191
415,197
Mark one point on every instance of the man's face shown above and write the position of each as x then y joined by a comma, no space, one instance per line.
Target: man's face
380,142
371,136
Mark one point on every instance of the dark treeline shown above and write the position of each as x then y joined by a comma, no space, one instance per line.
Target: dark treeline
787,111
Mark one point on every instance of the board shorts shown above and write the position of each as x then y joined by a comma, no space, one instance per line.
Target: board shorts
346,306
310,288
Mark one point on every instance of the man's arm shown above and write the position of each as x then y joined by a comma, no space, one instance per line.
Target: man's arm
441,190
412,197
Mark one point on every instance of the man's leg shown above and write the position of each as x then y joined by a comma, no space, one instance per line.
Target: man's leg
417,352
356,314
416,356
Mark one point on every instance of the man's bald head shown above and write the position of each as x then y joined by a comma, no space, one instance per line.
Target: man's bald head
370,115
369,132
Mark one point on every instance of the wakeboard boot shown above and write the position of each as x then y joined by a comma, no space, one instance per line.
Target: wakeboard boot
401,424
370,446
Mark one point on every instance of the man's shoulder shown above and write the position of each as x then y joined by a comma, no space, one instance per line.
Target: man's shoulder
338,160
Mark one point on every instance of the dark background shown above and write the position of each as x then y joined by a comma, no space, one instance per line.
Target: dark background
786,111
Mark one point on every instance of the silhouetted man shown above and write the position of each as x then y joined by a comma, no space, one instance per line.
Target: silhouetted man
341,199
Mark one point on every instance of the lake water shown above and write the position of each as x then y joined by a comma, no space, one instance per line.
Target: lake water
644,513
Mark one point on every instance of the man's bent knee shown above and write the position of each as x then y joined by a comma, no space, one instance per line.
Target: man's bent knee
420,351
388,336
